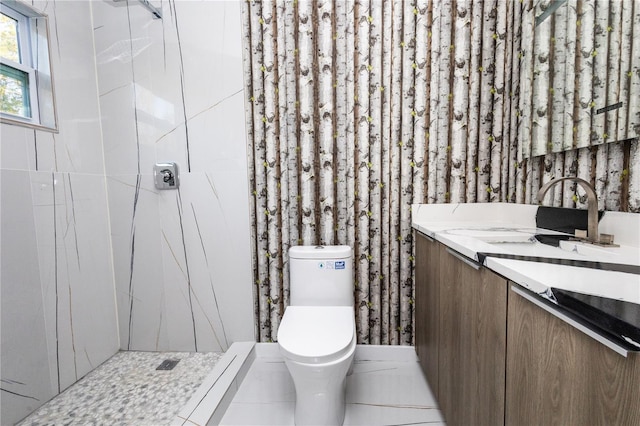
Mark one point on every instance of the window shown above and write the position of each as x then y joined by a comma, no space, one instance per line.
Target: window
26,86
17,76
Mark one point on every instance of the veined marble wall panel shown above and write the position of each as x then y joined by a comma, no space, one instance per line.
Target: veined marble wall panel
182,257
177,285
78,146
114,60
26,382
58,297
119,132
160,85
58,305
137,255
140,90
213,70
203,261
212,130
70,212
113,46
17,148
217,240
45,150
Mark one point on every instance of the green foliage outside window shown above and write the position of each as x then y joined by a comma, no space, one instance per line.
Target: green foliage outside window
14,83
9,38
14,91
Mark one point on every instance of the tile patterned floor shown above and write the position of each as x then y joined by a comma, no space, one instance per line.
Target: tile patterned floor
378,393
128,390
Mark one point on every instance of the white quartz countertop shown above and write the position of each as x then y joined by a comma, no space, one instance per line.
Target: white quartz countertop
509,229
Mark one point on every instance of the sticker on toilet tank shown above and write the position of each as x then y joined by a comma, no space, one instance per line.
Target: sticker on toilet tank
339,264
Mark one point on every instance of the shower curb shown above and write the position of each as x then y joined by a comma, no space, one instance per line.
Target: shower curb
209,403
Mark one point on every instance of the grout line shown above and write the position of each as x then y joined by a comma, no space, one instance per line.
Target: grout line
413,407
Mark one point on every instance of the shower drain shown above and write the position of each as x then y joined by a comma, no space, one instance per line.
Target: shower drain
168,364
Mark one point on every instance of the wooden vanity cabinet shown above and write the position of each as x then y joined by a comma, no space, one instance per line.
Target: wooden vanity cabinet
558,375
427,307
489,365
461,313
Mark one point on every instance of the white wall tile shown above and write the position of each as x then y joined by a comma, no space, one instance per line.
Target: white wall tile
121,146
66,295
58,300
213,70
227,240
219,137
78,146
113,45
216,241
160,94
45,157
25,368
87,245
137,251
17,147
76,276
183,101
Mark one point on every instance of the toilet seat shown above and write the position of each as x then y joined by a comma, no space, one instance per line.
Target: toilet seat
316,334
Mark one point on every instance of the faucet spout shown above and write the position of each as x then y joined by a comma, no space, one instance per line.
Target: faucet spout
592,213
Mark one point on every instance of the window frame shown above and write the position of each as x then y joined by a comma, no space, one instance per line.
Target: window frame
28,18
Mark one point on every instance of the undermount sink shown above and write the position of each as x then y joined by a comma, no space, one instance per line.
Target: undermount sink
533,247
623,255
497,235
569,253
539,244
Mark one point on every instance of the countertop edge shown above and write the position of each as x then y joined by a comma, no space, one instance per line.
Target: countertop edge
529,284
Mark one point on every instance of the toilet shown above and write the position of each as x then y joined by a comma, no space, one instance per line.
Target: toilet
317,334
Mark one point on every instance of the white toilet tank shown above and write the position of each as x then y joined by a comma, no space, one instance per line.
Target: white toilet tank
321,276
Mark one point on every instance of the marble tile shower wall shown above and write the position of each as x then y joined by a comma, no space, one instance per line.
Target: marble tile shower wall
58,313
172,89
94,258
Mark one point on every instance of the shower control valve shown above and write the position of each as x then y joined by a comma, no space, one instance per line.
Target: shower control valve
165,175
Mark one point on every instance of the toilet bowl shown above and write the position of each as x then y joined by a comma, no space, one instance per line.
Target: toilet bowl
317,334
318,345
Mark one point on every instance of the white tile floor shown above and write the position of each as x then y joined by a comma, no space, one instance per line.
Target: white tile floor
382,390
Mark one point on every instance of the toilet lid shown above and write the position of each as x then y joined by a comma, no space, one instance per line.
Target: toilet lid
316,334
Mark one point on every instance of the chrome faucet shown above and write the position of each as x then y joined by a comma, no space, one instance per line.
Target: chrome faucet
592,214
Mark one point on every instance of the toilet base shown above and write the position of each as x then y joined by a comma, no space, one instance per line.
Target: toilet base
320,390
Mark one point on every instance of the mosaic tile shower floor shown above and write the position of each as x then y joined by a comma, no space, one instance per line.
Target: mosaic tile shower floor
128,390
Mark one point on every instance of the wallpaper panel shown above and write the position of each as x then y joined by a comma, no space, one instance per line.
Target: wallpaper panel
357,109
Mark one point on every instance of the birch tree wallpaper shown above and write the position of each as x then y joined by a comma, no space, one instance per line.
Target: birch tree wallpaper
360,108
